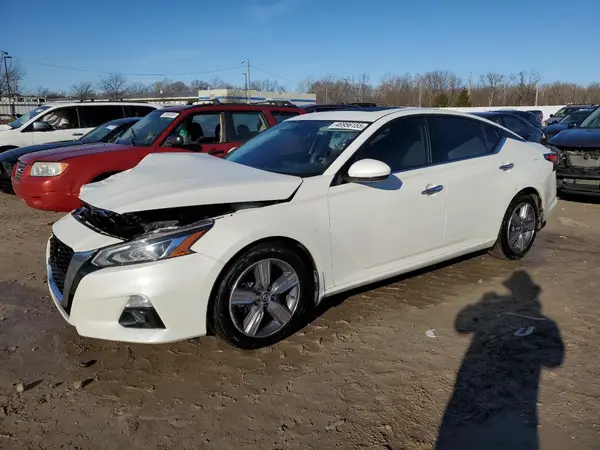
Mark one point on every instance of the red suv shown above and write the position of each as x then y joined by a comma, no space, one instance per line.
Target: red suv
51,180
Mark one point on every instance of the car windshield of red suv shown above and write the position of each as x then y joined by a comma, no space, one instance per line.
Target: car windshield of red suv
147,130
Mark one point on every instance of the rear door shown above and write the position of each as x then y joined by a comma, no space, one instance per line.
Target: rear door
92,116
241,126
480,182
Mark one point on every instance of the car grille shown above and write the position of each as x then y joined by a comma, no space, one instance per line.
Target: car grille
20,170
60,258
580,157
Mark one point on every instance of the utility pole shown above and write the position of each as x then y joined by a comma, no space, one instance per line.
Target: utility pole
247,62
11,101
537,92
469,85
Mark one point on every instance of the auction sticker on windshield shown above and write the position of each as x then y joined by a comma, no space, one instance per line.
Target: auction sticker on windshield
169,115
358,126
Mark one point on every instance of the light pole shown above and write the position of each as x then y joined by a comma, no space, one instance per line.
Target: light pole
5,57
247,62
246,86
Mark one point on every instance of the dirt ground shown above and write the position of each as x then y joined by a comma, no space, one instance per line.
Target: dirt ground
462,356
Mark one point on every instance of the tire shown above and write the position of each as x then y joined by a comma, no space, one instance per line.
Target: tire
229,321
503,249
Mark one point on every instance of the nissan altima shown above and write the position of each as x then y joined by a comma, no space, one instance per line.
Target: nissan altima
246,246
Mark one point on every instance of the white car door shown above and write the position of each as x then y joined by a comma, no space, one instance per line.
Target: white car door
65,126
480,184
378,228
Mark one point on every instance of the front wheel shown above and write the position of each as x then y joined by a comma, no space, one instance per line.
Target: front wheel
518,229
263,296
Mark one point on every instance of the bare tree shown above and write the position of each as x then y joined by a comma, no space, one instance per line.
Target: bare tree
198,85
492,83
139,89
11,84
267,85
114,86
82,91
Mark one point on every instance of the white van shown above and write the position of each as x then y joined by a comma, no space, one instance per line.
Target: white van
65,121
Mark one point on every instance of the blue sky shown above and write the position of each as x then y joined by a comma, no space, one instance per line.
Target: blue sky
294,39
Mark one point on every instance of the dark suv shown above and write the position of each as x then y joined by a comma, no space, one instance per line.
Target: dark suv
578,162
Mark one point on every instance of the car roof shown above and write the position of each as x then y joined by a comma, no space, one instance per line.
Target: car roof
56,104
230,106
369,115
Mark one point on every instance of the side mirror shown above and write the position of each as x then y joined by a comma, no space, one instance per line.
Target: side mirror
551,115
40,125
368,171
174,140
572,125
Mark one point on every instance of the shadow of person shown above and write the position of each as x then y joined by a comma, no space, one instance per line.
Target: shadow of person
494,402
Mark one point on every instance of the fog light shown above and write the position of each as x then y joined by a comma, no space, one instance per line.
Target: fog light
138,301
139,313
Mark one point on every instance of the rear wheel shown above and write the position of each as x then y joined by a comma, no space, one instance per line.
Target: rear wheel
262,297
518,229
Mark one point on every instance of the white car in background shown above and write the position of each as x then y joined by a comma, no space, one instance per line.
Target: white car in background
316,205
65,121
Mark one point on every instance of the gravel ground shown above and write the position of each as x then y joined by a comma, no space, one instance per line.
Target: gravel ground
440,359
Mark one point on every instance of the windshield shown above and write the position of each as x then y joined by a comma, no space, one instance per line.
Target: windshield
592,121
575,117
303,148
147,130
100,134
27,117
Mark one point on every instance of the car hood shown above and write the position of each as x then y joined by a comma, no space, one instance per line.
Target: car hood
577,137
61,153
555,128
16,153
4,127
171,180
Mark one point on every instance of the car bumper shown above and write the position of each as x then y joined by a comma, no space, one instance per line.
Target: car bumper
578,181
34,193
93,300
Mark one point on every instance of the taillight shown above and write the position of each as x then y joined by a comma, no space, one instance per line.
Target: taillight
552,157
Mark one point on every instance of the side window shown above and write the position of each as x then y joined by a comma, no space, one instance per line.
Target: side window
280,116
200,129
244,125
62,118
401,144
492,136
93,116
454,138
513,124
137,111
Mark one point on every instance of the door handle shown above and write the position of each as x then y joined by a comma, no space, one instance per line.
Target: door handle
215,152
507,166
430,190
77,134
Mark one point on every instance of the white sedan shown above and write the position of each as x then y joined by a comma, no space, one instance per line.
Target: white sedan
186,243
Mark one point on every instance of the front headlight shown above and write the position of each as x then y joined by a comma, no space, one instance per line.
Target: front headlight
154,246
47,169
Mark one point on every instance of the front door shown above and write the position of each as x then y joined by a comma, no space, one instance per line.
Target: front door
65,124
379,228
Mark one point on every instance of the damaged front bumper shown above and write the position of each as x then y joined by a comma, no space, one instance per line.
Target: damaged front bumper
95,300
